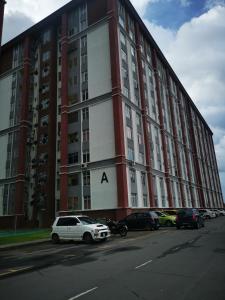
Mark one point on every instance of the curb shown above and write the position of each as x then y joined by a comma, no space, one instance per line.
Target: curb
20,245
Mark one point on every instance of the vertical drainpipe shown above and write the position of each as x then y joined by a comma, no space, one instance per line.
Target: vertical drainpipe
195,157
64,117
144,120
23,130
178,162
162,129
186,151
121,174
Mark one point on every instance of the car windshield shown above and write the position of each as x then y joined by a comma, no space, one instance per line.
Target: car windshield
86,220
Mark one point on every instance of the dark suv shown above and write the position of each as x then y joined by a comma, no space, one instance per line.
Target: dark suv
142,220
189,217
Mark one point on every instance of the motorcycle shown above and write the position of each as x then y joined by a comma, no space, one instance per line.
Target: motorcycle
117,228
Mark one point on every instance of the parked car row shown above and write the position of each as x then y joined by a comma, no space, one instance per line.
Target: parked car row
81,227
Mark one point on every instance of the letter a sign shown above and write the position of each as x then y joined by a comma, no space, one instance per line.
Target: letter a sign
104,178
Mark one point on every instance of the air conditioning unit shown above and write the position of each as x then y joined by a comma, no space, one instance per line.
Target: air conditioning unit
84,166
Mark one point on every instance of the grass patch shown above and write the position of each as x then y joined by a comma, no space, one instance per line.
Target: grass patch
21,237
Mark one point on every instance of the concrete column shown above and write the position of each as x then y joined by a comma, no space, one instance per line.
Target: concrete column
186,150
162,129
122,191
144,120
175,141
23,130
64,117
195,156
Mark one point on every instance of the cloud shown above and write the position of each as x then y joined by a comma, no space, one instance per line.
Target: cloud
20,23
141,5
196,53
36,10
211,3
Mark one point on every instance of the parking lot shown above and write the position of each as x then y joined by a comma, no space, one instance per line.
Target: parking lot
178,264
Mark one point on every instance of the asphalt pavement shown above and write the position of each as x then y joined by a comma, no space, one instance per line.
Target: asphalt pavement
165,264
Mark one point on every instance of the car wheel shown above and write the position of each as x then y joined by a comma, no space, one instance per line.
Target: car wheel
55,238
168,224
197,225
87,238
148,227
123,231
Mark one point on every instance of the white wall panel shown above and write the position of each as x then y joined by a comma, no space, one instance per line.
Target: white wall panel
102,144
103,195
99,67
5,92
139,189
3,151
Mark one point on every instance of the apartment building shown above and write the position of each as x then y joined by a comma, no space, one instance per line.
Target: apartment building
94,120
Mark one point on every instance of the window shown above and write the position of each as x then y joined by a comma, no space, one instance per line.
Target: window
85,113
138,120
43,139
73,203
73,137
73,117
122,38
84,60
45,56
83,16
145,200
86,156
128,112
44,104
73,158
130,153
87,202
132,50
45,88
86,135
46,37
86,178
132,175
125,92
140,139
84,77
44,121
134,200
123,55
45,72
73,180
143,178
85,95
84,42
129,133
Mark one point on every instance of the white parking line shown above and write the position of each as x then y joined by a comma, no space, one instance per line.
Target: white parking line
144,264
82,294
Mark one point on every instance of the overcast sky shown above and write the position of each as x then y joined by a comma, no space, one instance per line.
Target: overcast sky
191,34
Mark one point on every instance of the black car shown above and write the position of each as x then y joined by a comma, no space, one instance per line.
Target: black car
142,220
189,217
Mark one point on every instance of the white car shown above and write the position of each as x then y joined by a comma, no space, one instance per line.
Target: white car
207,213
222,212
78,228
